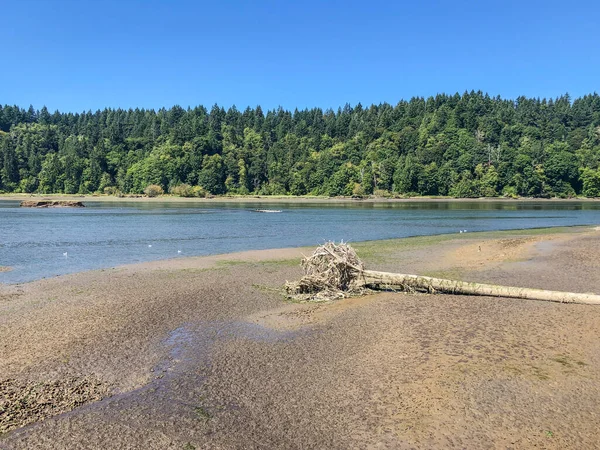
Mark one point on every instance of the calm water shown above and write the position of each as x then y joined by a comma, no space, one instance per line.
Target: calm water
33,241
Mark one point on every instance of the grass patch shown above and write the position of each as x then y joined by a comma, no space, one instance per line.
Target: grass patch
196,269
266,263
368,247
230,262
446,274
382,251
562,360
516,260
513,370
540,373
202,413
293,262
525,232
568,362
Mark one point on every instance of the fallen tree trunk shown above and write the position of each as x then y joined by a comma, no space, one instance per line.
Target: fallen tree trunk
335,271
372,278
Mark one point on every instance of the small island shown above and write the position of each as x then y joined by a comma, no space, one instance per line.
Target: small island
52,204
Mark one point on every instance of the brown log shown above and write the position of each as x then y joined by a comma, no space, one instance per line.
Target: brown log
52,204
429,284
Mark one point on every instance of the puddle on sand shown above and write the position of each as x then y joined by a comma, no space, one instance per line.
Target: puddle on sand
191,343
545,246
541,249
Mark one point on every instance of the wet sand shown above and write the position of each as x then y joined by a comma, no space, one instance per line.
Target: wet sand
206,353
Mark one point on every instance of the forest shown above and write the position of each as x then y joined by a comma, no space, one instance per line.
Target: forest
469,145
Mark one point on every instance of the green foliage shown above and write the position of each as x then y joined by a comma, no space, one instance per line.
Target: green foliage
380,193
111,190
153,190
185,190
466,187
591,182
212,175
467,145
182,190
510,192
199,191
487,181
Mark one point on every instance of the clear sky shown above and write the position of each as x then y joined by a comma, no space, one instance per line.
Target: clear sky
80,55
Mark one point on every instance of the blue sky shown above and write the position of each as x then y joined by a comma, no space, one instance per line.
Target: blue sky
80,55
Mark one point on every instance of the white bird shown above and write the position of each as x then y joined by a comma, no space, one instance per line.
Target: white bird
464,231
178,251
149,245
65,254
460,231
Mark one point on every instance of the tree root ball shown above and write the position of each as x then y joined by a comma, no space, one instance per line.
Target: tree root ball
332,271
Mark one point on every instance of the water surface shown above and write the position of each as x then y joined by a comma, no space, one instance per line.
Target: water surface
34,241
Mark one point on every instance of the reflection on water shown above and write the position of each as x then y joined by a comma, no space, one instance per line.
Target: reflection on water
33,241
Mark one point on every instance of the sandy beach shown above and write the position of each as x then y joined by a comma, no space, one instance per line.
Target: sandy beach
206,352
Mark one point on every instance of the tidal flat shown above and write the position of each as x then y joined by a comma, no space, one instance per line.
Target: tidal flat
206,352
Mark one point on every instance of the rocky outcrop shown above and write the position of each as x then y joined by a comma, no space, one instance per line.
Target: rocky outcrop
52,204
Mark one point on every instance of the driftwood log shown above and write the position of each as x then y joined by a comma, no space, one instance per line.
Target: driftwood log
336,271
52,204
372,278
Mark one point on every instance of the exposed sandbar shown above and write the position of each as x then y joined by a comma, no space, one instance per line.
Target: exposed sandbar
206,352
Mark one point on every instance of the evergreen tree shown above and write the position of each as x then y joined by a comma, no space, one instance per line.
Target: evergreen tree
462,145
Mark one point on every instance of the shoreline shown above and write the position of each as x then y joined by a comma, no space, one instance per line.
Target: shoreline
285,253
281,199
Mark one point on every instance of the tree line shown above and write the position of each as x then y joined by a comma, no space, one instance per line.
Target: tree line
468,145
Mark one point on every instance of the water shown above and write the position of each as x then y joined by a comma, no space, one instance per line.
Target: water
33,241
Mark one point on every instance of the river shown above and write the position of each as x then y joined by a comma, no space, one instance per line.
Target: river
38,243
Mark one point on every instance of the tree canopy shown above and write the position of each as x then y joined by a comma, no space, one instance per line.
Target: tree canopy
467,145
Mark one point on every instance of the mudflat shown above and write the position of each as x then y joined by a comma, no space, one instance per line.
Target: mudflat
206,353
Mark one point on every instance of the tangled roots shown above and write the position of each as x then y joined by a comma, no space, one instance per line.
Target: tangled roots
332,271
